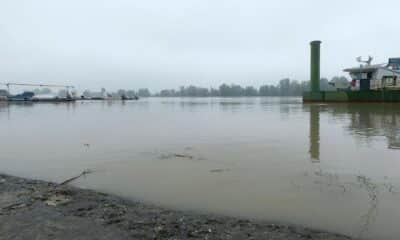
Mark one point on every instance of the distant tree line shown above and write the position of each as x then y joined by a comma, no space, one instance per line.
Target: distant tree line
285,87
142,92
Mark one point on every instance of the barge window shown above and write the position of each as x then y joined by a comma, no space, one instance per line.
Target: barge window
389,80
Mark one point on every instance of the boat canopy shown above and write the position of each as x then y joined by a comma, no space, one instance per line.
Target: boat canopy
45,96
364,69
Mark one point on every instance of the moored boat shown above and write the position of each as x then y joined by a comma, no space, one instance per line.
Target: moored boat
370,83
23,97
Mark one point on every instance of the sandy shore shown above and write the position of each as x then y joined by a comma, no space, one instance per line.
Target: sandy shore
32,209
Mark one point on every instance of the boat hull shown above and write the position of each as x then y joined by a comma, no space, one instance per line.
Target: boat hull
40,100
353,96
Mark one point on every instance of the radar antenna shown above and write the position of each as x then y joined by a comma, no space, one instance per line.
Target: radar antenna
368,62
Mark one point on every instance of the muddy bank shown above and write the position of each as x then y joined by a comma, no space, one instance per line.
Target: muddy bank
31,209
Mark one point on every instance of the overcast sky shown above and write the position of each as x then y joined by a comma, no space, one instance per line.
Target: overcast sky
169,43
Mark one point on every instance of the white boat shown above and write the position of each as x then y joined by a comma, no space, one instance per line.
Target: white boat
51,98
44,97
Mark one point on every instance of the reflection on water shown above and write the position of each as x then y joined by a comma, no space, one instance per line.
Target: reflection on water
327,166
314,133
367,121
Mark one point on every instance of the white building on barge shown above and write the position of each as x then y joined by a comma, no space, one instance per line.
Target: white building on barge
375,77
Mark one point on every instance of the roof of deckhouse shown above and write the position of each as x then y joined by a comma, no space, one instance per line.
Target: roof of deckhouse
364,69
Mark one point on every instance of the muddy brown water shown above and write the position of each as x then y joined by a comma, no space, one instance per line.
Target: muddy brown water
328,166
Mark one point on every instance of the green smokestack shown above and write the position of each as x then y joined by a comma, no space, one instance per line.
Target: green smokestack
315,65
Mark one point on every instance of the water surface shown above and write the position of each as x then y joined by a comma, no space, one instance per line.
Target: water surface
328,166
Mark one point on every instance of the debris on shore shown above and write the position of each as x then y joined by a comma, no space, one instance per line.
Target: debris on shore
176,155
32,209
220,170
183,156
83,174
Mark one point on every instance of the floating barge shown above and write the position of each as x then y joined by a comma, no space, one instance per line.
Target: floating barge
350,96
370,83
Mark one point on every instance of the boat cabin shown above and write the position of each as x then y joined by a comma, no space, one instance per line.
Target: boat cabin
25,96
3,93
376,77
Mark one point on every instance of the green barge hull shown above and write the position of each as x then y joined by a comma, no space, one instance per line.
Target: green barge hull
352,96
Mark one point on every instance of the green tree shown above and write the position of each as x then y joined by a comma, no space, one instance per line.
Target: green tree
130,93
144,92
121,92
264,90
250,91
284,87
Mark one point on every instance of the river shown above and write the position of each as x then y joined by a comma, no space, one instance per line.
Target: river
333,167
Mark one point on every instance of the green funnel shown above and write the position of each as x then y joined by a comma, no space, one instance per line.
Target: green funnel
315,65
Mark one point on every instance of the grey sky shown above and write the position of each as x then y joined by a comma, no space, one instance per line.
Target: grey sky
159,43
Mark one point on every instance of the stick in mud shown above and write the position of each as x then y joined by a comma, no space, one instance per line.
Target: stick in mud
84,173
183,156
12,206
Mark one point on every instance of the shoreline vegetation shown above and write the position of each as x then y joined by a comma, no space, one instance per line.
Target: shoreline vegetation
34,209
285,87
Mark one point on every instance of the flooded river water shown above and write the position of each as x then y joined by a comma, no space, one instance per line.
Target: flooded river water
333,167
